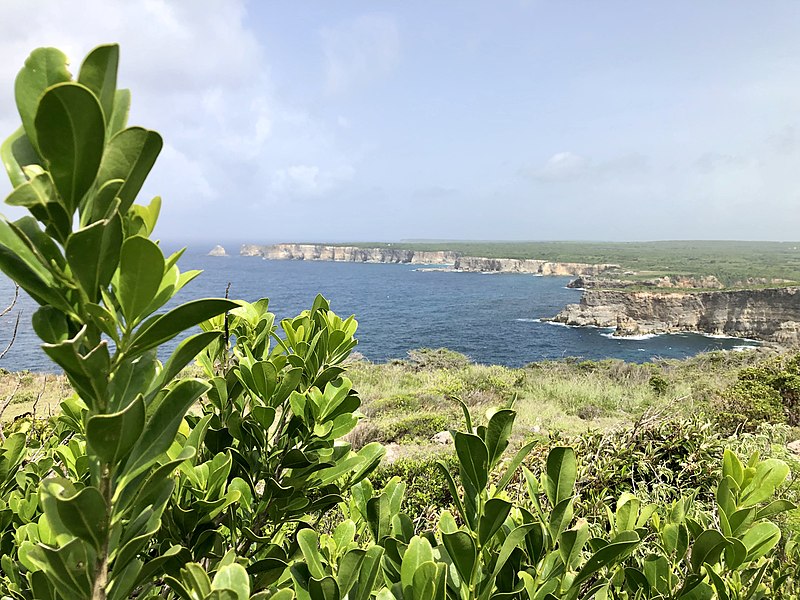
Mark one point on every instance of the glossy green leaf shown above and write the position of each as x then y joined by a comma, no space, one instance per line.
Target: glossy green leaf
473,458
419,551
17,152
769,475
370,571
561,473
130,155
461,548
308,540
495,512
161,427
233,577
93,254
39,196
165,327
71,136
707,548
45,67
607,556
111,436
140,271
498,431
323,589
119,116
84,515
760,539
99,73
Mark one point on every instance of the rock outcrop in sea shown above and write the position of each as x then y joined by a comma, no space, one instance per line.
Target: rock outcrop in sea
218,251
771,314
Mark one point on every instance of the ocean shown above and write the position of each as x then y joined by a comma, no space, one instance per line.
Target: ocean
492,318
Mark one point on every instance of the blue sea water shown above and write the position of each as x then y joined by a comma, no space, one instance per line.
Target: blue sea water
491,318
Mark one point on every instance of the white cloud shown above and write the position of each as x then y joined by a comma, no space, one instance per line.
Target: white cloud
309,180
200,76
359,50
563,166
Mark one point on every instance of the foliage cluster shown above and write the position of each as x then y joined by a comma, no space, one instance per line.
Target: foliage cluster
768,392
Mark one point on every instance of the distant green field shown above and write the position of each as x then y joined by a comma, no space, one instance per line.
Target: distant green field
730,261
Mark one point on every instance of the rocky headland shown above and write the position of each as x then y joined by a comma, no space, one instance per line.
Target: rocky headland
684,282
453,260
535,267
771,314
347,254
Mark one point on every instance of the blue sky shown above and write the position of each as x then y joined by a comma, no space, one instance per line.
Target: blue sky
333,121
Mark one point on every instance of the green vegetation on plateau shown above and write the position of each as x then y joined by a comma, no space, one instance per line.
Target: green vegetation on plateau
729,261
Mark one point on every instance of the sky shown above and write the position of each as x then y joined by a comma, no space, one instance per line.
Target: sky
344,120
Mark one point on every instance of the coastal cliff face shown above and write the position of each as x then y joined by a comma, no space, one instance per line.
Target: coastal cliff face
667,281
768,314
347,254
535,267
396,255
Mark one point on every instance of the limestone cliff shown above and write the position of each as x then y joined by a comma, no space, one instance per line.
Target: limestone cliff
535,267
666,282
765,314
347,254
397,255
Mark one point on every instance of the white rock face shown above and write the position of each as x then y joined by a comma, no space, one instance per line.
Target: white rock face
767,314
347,254
218,251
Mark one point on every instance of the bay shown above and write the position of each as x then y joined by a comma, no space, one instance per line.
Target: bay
492,318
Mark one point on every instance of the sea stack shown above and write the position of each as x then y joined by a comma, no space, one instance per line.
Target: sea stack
218,251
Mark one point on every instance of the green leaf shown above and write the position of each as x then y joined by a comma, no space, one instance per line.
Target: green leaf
512,541
99,74
119,116
17,153
161,428
44,68
561,472
67,567
497,433
39,196
140,271
93,254
571,543
185,352
513,466
130,156
707,548
419,551
461,548
83,514
774,508
308,540
71,136
370,570
607,556
165,327
769,475
111,436
233,577
473,457
323,589
760,539
732,466
19,262
494,515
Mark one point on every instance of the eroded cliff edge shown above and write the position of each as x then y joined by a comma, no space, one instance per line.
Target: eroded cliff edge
765,314
347,254
453,260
